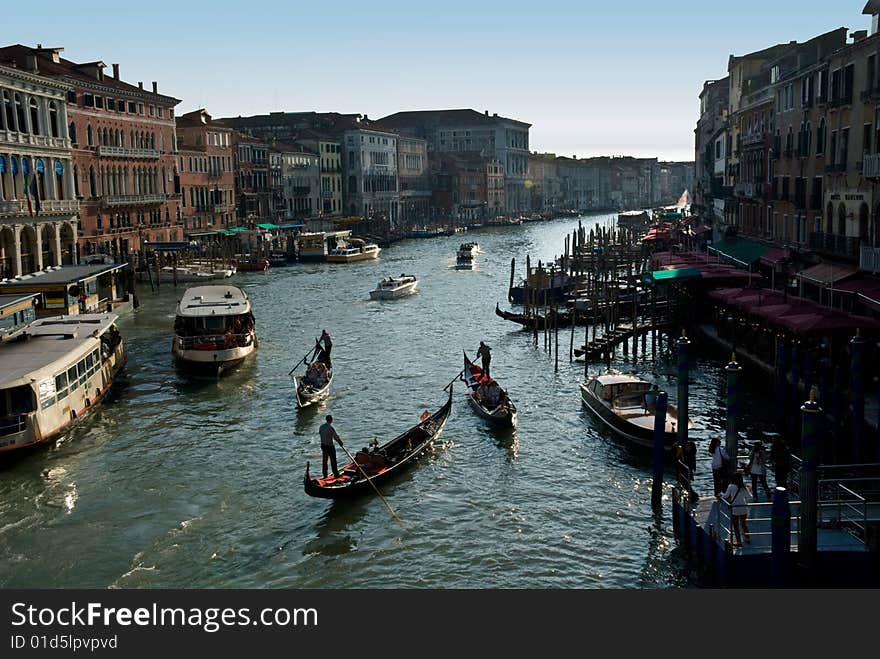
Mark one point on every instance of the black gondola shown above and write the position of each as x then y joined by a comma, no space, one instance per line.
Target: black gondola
380,463
502,414
309,391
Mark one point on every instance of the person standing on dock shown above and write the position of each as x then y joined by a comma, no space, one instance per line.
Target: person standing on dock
720,461
757,470
328,436
485,352
737,496
328,345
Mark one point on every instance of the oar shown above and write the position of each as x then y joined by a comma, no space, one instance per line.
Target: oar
301,361
452,381
364,474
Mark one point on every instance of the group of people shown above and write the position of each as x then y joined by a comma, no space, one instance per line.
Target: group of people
729,484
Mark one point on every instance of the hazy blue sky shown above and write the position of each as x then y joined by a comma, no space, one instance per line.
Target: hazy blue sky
594,78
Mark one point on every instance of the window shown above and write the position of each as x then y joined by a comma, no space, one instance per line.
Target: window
820,138
8,112
90,136
132,107
88,100
54,130
99,102
152,110
35,116
111,104
848,81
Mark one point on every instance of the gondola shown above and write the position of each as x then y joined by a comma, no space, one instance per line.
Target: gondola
502,415
307,393
380,463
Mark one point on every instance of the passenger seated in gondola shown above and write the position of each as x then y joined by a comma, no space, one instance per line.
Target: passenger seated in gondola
316,375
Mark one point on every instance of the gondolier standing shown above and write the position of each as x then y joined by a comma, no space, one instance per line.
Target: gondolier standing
328,435
486,353
328,344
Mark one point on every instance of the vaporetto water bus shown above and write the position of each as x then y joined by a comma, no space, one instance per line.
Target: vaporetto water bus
52,373
214,329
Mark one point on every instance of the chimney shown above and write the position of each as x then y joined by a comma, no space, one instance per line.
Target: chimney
858,35
155,87
140,85
116,71
487,113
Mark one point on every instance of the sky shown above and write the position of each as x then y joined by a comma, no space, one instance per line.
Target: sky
593,78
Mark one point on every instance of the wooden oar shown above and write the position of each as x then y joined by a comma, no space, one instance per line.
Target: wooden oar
302,361
452,381
364,474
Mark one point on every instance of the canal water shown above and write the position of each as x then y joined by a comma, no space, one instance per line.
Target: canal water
175,483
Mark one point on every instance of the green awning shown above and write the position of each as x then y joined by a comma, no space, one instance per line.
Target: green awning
201,234
676,275
237,229
268,226
743,252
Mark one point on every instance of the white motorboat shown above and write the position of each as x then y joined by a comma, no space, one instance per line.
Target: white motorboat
393,288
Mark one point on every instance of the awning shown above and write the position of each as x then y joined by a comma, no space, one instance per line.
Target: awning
202,234
826,274
860,285
702,229
744,252
268,226
675,275
167,246
291,226
772,256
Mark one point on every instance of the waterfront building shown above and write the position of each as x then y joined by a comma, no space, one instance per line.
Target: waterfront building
415,182
709,142
207,178
253,195
370,180
124,152
38,205
456,131
329,150
673,179
467,187
295,176
543,183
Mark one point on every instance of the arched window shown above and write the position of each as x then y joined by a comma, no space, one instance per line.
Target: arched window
90,136
829,218
841,219
162,142
58,168
54,129
71,132
131,140
2,177
863,221
8,112
19,114
35,116
808,136
76,180
820,137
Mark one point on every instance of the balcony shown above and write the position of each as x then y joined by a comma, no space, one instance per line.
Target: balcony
869,259
47,207
110,201
752,139
126,152
215,172
835,168
11,137
327,194
871,94
871,166
832,244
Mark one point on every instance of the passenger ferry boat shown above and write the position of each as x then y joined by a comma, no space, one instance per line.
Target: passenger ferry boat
353,249
625,403
52,373
214,329
393,288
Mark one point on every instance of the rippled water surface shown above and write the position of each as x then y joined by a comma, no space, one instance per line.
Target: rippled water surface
174,483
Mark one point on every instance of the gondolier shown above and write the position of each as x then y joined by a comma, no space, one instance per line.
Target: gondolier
328,344
328,435
486,353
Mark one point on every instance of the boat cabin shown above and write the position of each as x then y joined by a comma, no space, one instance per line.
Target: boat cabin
208,315
72,289
621,391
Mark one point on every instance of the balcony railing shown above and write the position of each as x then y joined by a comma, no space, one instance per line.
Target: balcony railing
871,166
133,199
871,94
126,152
47,206
754,138
835,245
10,137
835,168
869,258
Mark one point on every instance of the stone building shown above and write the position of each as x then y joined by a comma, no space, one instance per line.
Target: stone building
254,199
38,204
415,182
370,181
295,173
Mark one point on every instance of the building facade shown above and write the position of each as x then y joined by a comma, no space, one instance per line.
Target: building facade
38,204
124,150
415,182
370,176
255,201
206,175
296,176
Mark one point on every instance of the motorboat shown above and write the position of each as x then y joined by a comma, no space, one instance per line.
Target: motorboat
393,288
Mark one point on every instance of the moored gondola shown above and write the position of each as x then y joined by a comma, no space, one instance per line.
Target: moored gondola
380,463
314,386
487,397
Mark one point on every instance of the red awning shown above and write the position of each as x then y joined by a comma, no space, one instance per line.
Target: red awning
773,256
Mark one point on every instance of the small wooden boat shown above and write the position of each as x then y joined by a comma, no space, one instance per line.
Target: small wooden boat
500,411
252,265
380,463
625,403
314,386
393,288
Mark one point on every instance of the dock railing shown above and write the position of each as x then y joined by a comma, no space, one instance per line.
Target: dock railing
759,522
214,341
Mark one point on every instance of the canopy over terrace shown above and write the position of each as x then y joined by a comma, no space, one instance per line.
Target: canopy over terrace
864,289
712,272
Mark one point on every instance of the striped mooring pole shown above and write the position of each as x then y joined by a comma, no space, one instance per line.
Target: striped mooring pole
733,370
809,484
659,445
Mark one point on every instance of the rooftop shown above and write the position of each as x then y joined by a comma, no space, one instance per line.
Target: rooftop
65,274
202,301
443,118
12,300
46,342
